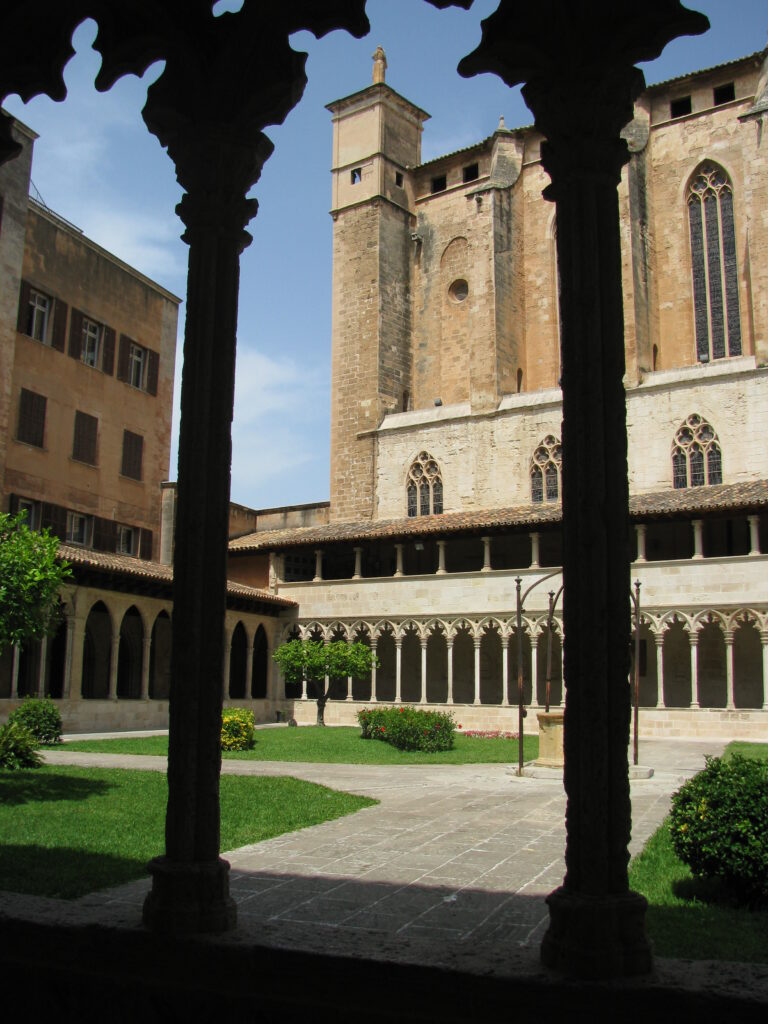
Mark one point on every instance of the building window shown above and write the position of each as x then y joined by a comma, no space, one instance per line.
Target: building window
399,179
439,183
31,427
79,529
680,107
84,441
424,487
696,456
459,290
356,175
133,445
91,348
470,173
546,465
713,257
39,317
127,540
723,93
32,508
137,365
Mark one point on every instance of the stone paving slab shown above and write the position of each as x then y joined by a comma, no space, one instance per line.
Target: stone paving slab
450,868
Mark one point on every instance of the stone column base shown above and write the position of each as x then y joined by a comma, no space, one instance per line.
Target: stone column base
551,739
595,937
188,899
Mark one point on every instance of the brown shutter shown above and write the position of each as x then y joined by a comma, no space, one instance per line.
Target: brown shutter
145,546
75,333
55,518
85,438
133,445
21,325
31,428
122,357
104,534
152,371
108,358
58,339
13,504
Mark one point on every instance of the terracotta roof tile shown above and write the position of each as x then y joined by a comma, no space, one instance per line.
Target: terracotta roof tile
141,569
658,505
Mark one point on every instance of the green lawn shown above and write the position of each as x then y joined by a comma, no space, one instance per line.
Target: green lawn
67,831
335,745
687,917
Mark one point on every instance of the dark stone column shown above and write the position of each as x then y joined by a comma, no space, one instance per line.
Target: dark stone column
577,62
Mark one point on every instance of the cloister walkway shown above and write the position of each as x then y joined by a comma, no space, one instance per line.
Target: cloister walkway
449,870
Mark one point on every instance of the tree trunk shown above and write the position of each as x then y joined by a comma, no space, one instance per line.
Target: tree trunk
321,702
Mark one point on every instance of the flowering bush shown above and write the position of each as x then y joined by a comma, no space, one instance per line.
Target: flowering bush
237,729
408,728
719,823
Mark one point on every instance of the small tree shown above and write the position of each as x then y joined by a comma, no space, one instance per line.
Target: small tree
320,664
30,578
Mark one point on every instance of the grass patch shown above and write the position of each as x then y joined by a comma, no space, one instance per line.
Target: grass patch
334,745
685,916
757,750
692,917
69,831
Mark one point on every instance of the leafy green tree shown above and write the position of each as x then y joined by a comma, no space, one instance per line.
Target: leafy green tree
321,664
30,578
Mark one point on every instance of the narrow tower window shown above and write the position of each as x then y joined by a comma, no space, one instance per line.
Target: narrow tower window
424,487
696,456
546,467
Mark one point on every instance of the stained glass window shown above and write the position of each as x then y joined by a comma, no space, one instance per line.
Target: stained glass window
696,456
717,322
424,487
545,471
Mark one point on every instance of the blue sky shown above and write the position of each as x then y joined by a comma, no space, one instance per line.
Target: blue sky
97,165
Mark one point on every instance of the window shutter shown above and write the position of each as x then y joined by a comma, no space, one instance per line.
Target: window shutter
13,504
31,427
58,337
122,357
133,445
55,518
21,325
84,442
152,371
75,333
145,545
104,534
108,358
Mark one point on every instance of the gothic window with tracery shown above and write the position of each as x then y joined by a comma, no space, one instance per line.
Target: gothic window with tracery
424,488
715,270
696,456
546,466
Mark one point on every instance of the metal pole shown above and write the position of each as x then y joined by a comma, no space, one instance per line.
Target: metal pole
520,709
549,648
637,671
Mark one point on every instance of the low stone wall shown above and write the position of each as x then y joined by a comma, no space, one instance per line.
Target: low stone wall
660,723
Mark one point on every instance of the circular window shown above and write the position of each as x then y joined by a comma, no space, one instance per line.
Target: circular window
459,290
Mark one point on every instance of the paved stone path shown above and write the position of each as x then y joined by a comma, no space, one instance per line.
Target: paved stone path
450,868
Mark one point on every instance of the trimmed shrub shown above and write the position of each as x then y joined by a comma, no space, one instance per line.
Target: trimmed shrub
18,748
408,728
719,824
41,717
237,729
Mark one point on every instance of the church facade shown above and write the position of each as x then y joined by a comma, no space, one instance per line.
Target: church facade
446,467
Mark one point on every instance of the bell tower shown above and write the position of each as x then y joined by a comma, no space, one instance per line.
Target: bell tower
376,143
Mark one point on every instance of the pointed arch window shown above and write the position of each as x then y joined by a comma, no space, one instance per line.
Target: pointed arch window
424,487
715,271
697,459
546,467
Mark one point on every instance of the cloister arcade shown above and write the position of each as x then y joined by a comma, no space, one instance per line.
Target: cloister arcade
710,658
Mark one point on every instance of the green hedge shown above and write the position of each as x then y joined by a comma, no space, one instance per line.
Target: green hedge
408,728
237,729
41,717
719,825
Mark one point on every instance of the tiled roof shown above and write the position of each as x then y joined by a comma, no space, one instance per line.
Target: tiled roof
758,55
141,569
659,505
